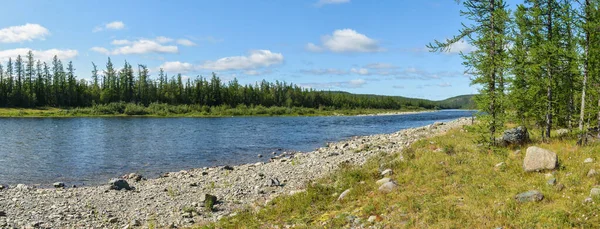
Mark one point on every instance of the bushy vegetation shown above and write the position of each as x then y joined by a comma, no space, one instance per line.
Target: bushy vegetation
437,189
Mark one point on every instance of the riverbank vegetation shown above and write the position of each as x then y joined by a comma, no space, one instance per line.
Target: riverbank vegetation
443,182
27,83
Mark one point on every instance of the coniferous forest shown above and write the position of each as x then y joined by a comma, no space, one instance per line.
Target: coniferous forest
27,83
537,63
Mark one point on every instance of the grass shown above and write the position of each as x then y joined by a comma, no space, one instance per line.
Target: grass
444,182
165,110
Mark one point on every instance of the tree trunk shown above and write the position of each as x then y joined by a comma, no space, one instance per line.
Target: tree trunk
549,72
585,73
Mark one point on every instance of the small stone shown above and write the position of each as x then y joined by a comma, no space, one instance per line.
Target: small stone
136,223
133,176
559,187
588,160
193,184
388,187
343,195
22,187
588,200
372,218
186,215
595,191
2,187
386,172
2,214
517,152
59,185
501,164
383,181
551,181
562,132
118,184
592,173
275,183
529,196
227,167
113,220
259,156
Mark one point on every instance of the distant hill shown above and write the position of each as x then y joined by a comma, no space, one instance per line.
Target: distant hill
457,102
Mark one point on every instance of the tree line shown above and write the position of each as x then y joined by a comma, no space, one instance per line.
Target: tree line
27,82
537,63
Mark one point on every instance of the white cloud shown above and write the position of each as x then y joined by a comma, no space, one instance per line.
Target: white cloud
144,46
115,25
398,86
360,71
324,71
346,41
121,42
185,42
327,2
461,46
162,39
445,84
177,67
27,32
380,66
356,83
313,48
257,73
43,55
100,50
255,59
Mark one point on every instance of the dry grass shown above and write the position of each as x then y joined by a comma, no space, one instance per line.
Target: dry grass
449,183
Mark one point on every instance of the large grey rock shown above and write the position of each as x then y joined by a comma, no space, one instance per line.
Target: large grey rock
516,136
119,184
595,191
538,159
530,196
383,181
388,187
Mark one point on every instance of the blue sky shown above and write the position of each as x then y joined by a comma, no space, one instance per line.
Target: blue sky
359,46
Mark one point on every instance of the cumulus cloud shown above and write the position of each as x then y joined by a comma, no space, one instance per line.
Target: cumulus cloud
177,67
461,46
328,2
115,25
185,42
380,66
163,40
355,83
324,71
141,46
346,41
27,32
43,55
255,59
360,71
100,50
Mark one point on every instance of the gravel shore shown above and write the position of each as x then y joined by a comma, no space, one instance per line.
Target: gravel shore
177,199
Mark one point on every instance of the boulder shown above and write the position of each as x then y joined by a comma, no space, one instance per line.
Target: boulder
386,172
388,187
516,136
529,196
383,181
118,184
343,195
595,191
562,132
59,185
592,173
538,159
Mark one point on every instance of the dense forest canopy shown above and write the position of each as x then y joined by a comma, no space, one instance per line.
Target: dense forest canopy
26,82
537,63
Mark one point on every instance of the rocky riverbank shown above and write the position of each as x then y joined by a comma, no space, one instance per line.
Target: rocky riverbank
177,199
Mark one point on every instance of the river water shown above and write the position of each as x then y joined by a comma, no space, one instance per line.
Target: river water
92,150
